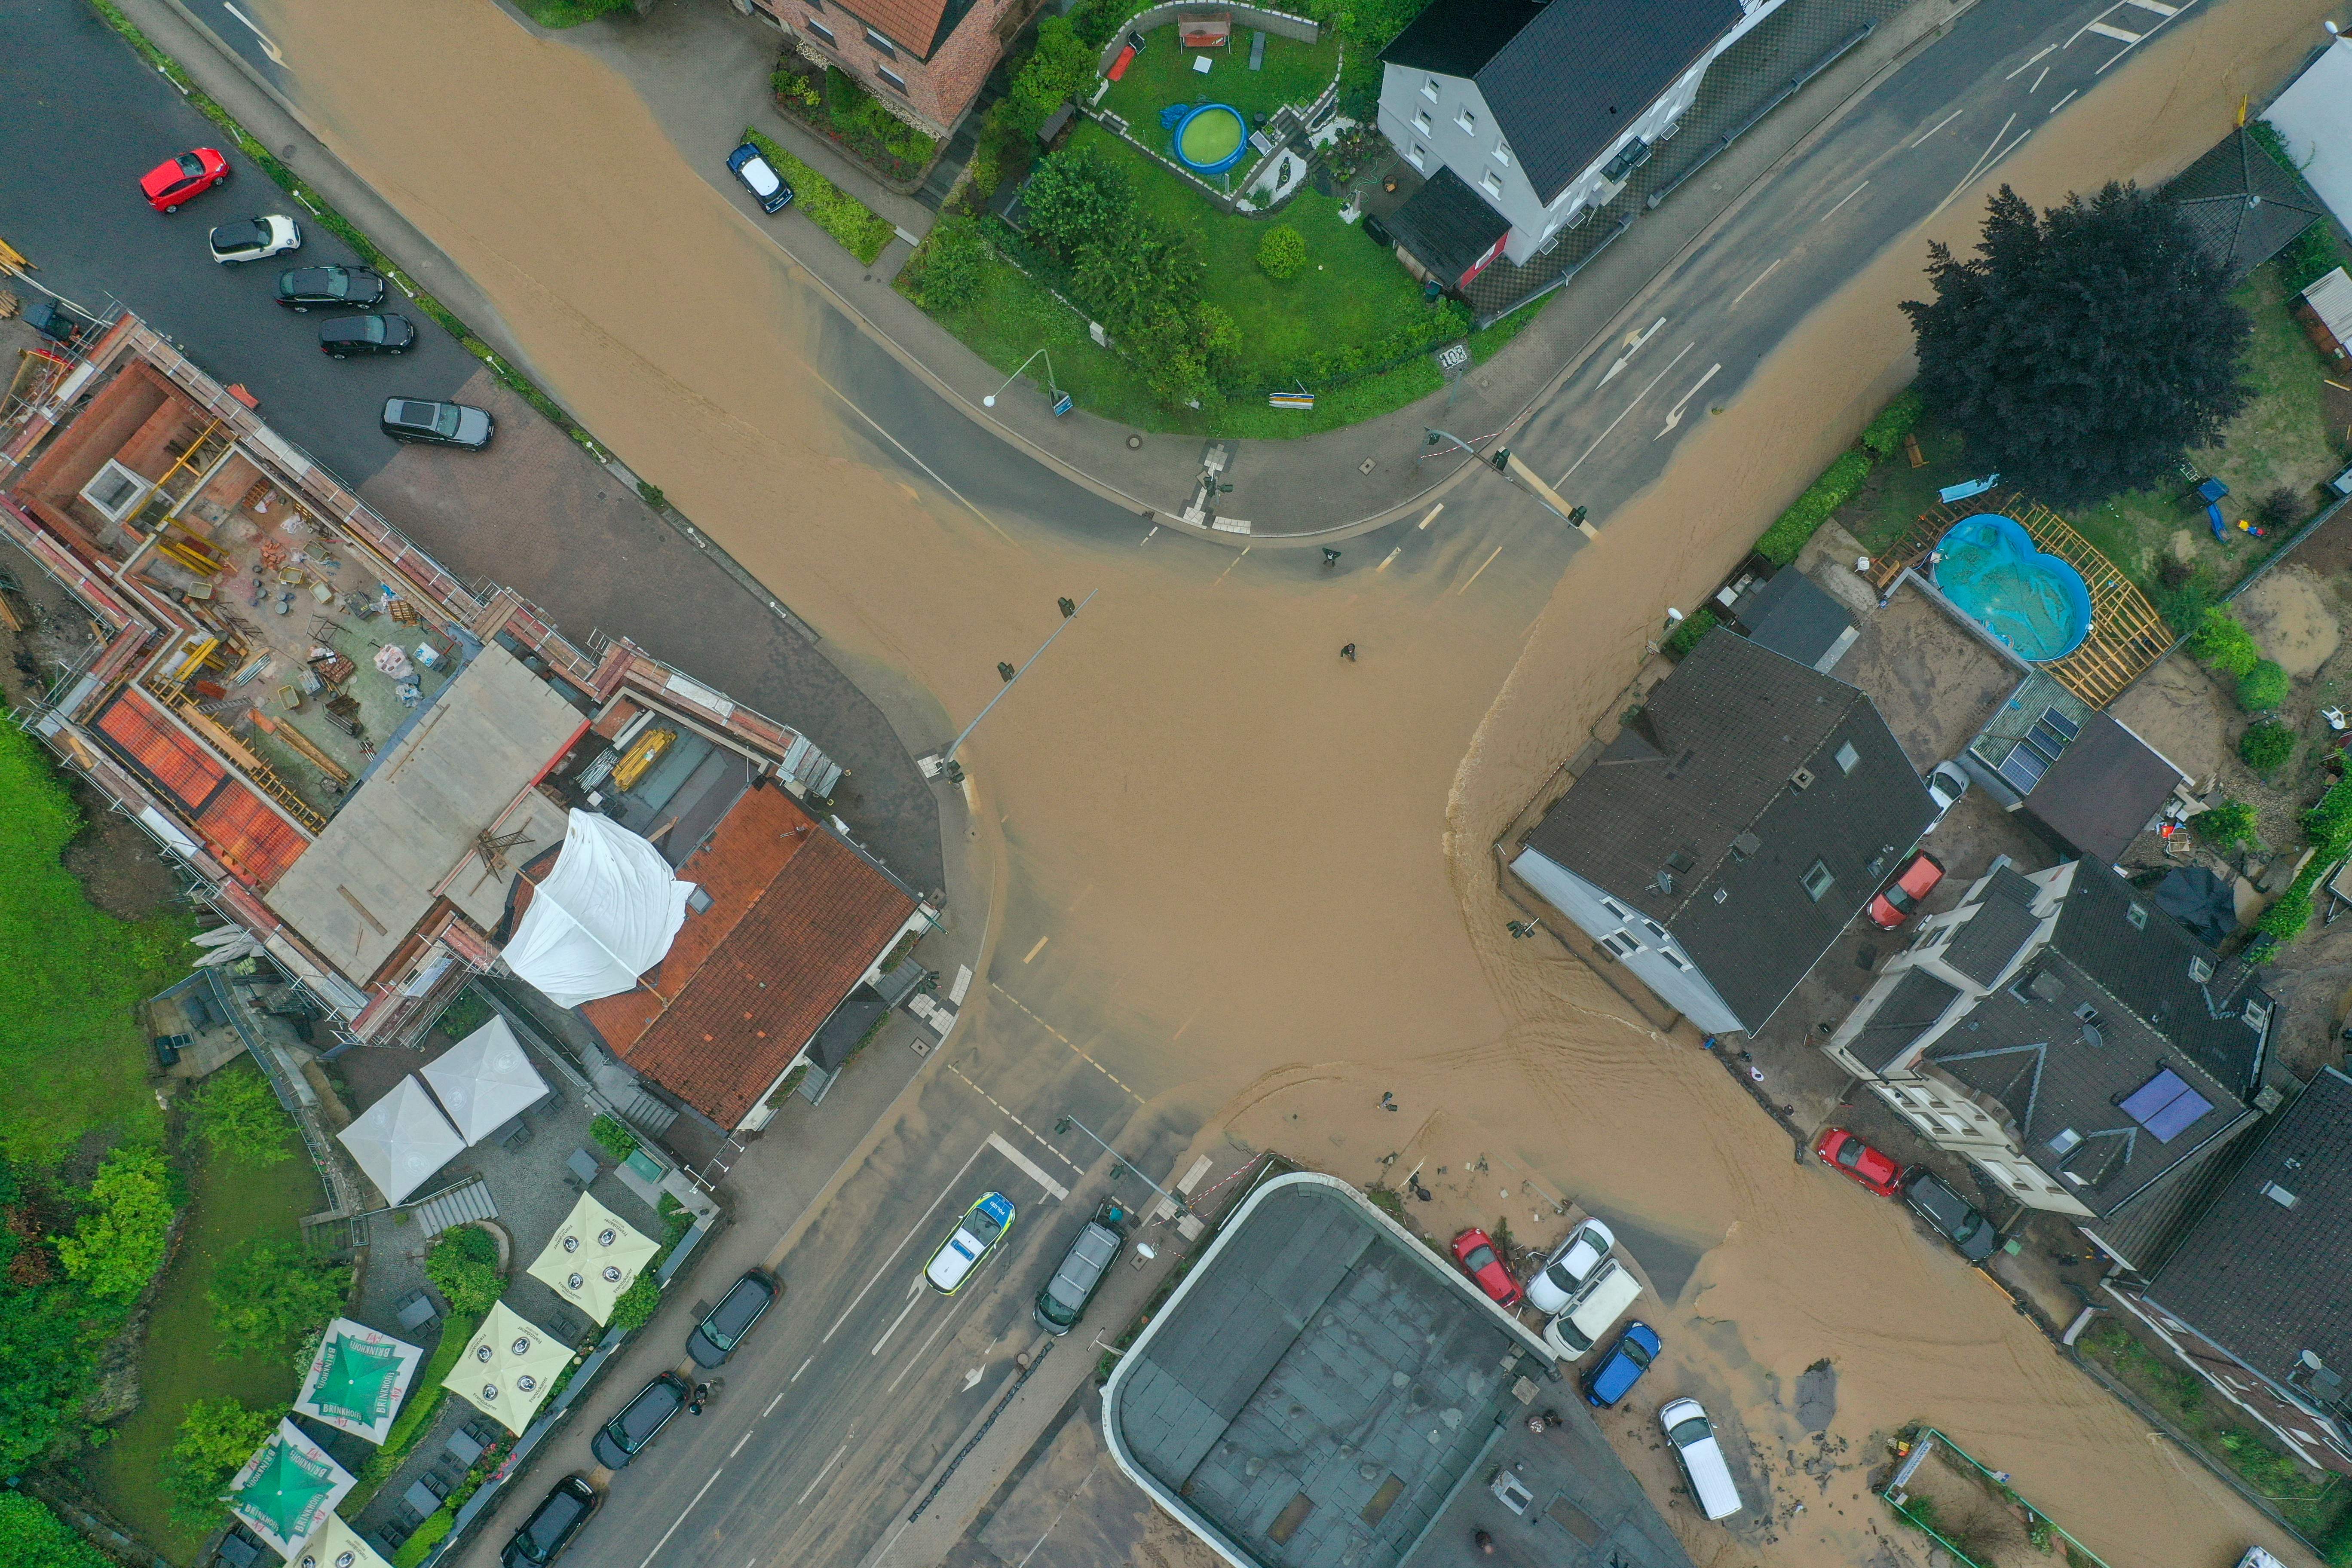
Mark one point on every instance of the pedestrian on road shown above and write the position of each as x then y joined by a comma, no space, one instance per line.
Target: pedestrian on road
701,1397
1348,652
1483,1542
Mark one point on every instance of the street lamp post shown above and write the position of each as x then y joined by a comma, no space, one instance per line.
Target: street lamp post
990,401
1179,1205
945,762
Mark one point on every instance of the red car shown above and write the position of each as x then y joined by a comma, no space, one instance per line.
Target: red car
1842,1150
175,182
1474,1250
1901,898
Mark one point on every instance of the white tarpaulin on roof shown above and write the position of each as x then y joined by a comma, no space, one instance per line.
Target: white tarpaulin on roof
2315,116
401,1140
485,1080
605,914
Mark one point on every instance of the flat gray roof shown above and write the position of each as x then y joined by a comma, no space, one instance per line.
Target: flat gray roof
1323,1392
359,888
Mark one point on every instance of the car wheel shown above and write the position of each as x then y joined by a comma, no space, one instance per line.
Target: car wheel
224,173
332,354
170,210
396,351
301,310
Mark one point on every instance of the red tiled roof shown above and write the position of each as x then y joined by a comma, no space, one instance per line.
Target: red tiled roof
170,756
911,23
252,840
797,916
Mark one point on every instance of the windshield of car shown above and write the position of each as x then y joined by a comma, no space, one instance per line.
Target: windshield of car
984,1225
335,281
190,164
375,329
1480,1259
1633,1349
1848,1152
445,419
554,1518
1683,1434
1900,898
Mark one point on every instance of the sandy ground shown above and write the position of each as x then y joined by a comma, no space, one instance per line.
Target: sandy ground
1266,873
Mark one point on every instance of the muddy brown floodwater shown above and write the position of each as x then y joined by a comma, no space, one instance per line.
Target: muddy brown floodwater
1289,896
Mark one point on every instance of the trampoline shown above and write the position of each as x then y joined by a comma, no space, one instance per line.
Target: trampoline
1211,138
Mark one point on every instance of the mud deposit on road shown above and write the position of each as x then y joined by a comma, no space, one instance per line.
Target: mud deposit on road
1266,873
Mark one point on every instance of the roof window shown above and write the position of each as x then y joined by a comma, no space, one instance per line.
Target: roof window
2138,916
1818,880
2279,1195
1848,759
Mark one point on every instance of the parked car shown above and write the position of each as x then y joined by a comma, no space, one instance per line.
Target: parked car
173,184
1615,1377
1842,1150
552,1525
1900,898
983,1227
723,1327
749,164
1081,1274
624,1437
382,334
1571,1266
1946,783
437,424
1692,1436
332,287
1474,1250
1571,1334
254,239
1955,1218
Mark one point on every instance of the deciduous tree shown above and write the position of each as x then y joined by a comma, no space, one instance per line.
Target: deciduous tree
268,1295
118,1247
236,1114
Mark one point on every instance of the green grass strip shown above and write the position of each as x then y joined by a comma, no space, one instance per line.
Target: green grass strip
863,232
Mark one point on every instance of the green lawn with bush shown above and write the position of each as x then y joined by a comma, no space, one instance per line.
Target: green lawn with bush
862,232
1161,74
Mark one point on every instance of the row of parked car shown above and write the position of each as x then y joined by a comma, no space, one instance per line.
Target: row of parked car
372,329
1928,1196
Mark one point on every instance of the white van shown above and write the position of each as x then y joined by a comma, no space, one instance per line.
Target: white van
1692,1436
1607,1298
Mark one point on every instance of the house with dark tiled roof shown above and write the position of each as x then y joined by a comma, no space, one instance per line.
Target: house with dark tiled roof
2256,1292
2072,1041
1540,110
1738,820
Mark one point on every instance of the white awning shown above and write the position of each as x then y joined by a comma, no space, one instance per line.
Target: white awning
335,1544
401,1140
485,1080
607,914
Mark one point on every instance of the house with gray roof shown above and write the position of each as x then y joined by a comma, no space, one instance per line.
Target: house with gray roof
1540,108
2072,1040
2256,1293
1739,819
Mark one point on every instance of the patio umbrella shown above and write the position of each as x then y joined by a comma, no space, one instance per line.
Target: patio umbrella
287,1489
485,1080
358,1379
335,1544
507,1368
402,1140
593,1256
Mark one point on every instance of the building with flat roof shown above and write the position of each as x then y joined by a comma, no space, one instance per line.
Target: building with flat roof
1322,1391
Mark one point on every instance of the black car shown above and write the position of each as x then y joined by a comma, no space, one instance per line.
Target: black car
439,424
1079,1275
330,288
552,1525
379,334
723,1327
624,1437
1953,1217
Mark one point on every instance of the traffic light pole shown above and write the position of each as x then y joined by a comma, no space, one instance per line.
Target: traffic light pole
1511,468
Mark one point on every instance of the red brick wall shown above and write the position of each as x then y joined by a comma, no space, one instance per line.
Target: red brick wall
939,90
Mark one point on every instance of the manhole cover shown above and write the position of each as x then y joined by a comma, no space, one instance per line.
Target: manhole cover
1365,466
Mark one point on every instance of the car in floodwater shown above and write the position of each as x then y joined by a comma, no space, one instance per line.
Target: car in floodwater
1955,1218
978,1234
1842,1152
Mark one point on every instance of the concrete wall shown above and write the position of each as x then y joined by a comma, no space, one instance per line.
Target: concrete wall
1246,19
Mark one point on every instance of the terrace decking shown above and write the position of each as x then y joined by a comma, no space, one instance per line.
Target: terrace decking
2126,634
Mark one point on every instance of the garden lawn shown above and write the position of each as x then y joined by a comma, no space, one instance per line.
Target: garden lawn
71,1052
1162,74
863,232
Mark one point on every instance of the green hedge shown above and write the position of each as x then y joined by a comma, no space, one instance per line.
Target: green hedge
2329,825
2263,687
428,1535
1884,434
1692,627
1837,485
863,232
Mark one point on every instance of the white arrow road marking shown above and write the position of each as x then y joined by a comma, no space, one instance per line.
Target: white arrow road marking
1675,415
971,1380
268,47
1631,349
1621,418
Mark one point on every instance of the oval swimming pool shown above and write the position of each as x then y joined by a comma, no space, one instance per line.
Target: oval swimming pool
1211,138
1990,567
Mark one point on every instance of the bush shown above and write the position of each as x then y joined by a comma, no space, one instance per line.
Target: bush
1282,253
638,1303
217,1437
2278,508
950,267
1786,536
862,232
2263,687
614,1135
236,1114
424,1537
792,87
2229,823
33,1537
267,1296
1075,197
118,1247
2223,644
1687,632
463,1266
2265,747
1059,67
983,174
2285,920
1884,434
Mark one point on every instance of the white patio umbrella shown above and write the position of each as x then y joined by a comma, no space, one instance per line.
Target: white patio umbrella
507,1367
401,1140
485,1080
593,1258
605,914
335,1544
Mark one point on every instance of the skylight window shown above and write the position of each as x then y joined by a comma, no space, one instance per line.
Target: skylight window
2165,1106
1848,759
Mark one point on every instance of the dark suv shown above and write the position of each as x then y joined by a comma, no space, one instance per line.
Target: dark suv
330,288
552,1525
437,424
380,334
723,1327
1081,1274
624,1437
1955,1218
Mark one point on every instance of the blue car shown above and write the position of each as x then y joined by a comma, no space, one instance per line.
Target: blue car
749,164
1622,1367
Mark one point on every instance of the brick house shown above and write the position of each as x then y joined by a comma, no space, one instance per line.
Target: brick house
924,60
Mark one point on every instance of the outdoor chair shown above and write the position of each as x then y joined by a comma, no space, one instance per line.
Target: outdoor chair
516,1135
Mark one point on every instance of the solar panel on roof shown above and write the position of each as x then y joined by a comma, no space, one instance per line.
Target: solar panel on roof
2065,727
2046,741
2164,1105
2023,768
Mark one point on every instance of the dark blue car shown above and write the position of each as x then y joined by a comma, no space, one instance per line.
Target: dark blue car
1622,1367
749,164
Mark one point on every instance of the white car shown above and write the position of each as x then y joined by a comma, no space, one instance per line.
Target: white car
968,1245
256,238
1945,785
1569,1267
